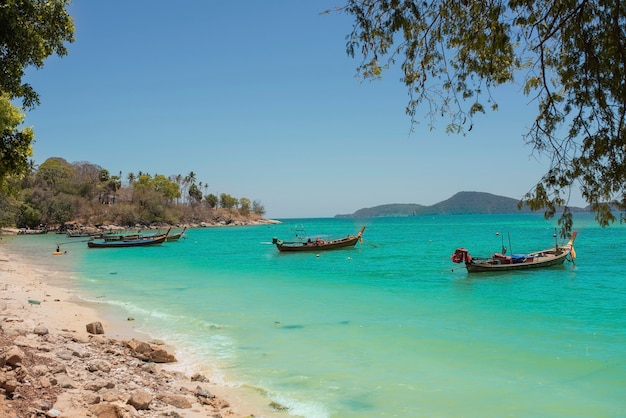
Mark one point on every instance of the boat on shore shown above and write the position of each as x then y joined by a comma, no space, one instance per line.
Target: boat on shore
501,262
129,241
29,231
317,244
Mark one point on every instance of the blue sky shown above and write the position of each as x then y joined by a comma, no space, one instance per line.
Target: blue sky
260,100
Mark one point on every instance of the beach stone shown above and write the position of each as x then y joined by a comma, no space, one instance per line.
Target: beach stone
197,377
45,382
40,330
95,328
53,413
57,367
140,399
139,346
99,365
113,395
45,405
204,396
95,385
107,410
92,398
39,370
203,393
9,384
150,368
26,341
177,401
13,356
46,347
65,354
65,382
162,356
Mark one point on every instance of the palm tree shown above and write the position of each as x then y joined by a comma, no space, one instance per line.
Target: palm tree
189,179
131,178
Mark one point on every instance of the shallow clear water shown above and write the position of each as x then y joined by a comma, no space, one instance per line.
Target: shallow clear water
389,328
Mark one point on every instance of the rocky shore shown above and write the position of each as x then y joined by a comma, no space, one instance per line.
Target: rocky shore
218,221
69,375
59,359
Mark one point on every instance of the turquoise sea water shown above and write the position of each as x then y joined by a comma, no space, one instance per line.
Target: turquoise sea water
391,328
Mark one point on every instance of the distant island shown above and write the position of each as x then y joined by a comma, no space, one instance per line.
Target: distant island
462,203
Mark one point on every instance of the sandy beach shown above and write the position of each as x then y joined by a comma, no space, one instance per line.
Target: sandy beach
52,366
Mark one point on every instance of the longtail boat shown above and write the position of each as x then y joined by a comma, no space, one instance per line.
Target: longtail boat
176,236
29,231
129,242
125,236
317,244
83,234
500,262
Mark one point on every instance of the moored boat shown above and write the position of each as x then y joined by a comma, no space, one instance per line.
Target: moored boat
83,234
318,244
176,236
29,231
133,241
501,262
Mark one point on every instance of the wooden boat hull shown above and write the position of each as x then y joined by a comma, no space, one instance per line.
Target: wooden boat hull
135,236
500,263
32,231
538,262
84,235
295,247
177,236
124,237
299,246
141,242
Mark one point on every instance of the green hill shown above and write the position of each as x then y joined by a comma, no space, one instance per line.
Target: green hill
460,203
396,209
474,202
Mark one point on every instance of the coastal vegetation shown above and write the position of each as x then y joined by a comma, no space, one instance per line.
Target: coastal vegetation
58,192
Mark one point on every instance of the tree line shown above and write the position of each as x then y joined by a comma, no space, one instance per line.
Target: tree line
58,192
